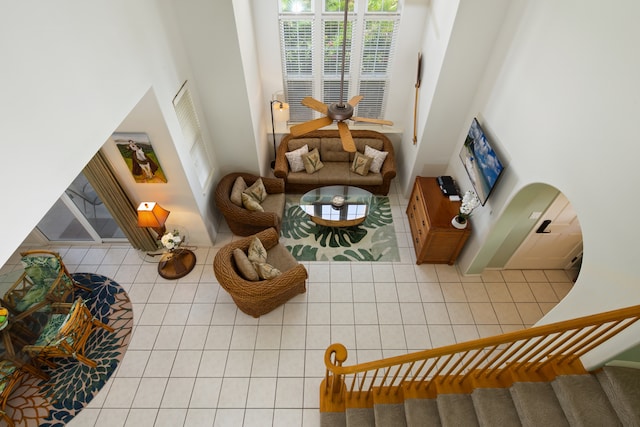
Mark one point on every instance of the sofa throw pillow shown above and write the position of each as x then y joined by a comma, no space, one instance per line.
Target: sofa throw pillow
361,164
377,156
266,271
245,267
236,191
295,158
257,191
250,203
257,253
312,161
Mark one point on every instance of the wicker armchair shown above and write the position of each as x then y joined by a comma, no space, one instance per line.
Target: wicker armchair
244,222
261,297
66,336
45,281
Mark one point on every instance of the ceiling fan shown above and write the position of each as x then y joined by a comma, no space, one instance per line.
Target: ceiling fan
339,111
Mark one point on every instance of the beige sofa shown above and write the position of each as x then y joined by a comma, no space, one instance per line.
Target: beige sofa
337,162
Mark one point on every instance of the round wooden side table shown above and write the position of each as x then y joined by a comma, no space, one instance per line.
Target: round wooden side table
176,264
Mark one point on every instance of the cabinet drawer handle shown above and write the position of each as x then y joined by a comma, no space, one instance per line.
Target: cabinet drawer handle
420,232
411,215
417,240
423,223
417,199
414,207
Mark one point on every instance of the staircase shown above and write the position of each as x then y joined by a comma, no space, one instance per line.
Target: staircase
534,377
609,398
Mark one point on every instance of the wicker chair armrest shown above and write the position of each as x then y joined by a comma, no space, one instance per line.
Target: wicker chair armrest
268,237
388,170
281,169
273,185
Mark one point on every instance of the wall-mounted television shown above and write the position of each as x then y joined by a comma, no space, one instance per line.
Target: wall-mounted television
481,162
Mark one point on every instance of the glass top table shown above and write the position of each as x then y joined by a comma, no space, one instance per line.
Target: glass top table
337,205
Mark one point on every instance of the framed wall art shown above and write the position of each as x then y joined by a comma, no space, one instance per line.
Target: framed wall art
138,154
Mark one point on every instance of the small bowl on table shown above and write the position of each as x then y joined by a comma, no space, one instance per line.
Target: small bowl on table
337,201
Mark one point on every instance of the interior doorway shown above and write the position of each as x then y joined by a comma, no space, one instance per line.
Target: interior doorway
79,215
555,241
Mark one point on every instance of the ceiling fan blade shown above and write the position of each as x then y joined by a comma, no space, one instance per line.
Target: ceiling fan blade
309,126
345,136
354,101
314,104
377,121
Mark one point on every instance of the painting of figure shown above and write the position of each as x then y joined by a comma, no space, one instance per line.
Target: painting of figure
138,154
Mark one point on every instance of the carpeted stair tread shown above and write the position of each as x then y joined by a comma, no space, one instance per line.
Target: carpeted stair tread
389,415
360,417
456,410
584,402
494,407
622,386
422,412
333,419
537,405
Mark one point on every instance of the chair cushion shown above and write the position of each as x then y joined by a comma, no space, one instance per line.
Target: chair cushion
295,158
266,271
238,188
250,203
312,161
257,191
378,158
51,329
361,164
334,173
245,268
34,295
281,258
275,203
7,368
257,253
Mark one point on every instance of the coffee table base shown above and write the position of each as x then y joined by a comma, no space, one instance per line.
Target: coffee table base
334,223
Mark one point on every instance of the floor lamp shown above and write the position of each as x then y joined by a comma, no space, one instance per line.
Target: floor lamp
279,113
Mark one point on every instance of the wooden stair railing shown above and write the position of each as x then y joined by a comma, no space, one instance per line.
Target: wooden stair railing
535,354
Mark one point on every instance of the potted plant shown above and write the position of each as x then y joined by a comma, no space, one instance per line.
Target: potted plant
470,201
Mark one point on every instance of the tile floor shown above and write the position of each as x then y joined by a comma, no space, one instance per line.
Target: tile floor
196,360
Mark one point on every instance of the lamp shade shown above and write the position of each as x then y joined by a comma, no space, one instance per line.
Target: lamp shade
280,111
152,215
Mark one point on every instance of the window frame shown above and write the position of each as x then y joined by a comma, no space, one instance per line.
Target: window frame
321,84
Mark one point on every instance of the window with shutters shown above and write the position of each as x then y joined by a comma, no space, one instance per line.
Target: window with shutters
311,37
188,119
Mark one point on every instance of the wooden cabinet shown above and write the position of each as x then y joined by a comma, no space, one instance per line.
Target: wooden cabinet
435,240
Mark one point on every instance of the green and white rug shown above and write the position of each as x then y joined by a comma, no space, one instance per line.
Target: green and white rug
373,240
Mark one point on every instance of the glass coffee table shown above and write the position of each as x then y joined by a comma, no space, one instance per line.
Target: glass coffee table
337,205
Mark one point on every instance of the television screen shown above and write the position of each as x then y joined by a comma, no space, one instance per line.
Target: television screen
481,162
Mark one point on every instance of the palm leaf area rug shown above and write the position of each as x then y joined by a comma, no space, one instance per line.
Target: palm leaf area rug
71,386
373,240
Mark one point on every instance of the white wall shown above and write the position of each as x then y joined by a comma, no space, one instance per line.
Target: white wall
73,72
563,108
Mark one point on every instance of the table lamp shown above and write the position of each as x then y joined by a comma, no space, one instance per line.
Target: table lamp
152,215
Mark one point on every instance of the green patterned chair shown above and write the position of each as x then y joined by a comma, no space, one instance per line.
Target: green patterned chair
10,375
65,336
45,281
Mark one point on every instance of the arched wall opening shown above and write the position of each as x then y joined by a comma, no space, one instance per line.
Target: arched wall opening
515,224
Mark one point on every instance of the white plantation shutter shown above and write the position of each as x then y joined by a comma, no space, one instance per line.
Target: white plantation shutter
296,43
188,119
312,64
378,47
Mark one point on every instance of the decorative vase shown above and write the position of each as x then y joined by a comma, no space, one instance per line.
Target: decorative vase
458,222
